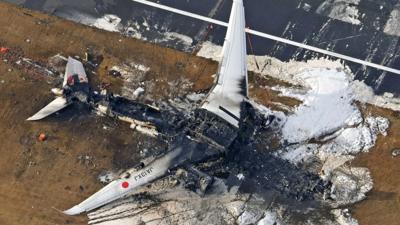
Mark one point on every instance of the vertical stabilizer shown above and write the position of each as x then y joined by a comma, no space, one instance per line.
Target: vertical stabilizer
231,87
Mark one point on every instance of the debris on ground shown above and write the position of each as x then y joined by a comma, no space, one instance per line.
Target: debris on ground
138,92
39,67
93,59
103,87
4,50
133,75
396,152
37,70
114,73
106,177
42,137
87,161
58,63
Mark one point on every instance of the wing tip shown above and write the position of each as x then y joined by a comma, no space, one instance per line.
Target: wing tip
32,118
76,210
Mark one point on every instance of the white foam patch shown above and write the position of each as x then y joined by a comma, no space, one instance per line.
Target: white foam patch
327,106
350,185
270,218
343,217
299,153
180,37
108,22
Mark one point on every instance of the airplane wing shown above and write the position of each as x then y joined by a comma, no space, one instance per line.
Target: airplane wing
129,182
231,88
54,106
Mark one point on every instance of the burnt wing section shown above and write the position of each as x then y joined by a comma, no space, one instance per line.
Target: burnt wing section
193,150
123,107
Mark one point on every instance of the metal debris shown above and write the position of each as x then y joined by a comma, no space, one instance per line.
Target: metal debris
87,161
396,152
114,73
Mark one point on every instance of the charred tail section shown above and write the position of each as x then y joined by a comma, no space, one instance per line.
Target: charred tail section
75,88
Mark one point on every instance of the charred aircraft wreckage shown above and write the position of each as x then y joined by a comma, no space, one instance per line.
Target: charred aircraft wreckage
222,132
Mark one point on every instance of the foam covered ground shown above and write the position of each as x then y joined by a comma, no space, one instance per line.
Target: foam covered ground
327,106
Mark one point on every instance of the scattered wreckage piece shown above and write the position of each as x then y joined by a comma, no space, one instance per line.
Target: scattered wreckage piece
35,69
42,137
4,50
396,152
38,66
114,73
93,60
87,161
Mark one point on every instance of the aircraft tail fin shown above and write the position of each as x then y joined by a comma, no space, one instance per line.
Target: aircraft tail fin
231,87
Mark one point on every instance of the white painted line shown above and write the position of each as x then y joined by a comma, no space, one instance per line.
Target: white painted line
181,12
323,51
272,37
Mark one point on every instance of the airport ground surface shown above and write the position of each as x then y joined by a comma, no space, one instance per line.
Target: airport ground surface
37,177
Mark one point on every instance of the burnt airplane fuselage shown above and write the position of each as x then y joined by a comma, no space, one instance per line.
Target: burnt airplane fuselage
222,131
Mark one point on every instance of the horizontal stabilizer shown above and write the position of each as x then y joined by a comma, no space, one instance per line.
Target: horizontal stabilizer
54,106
